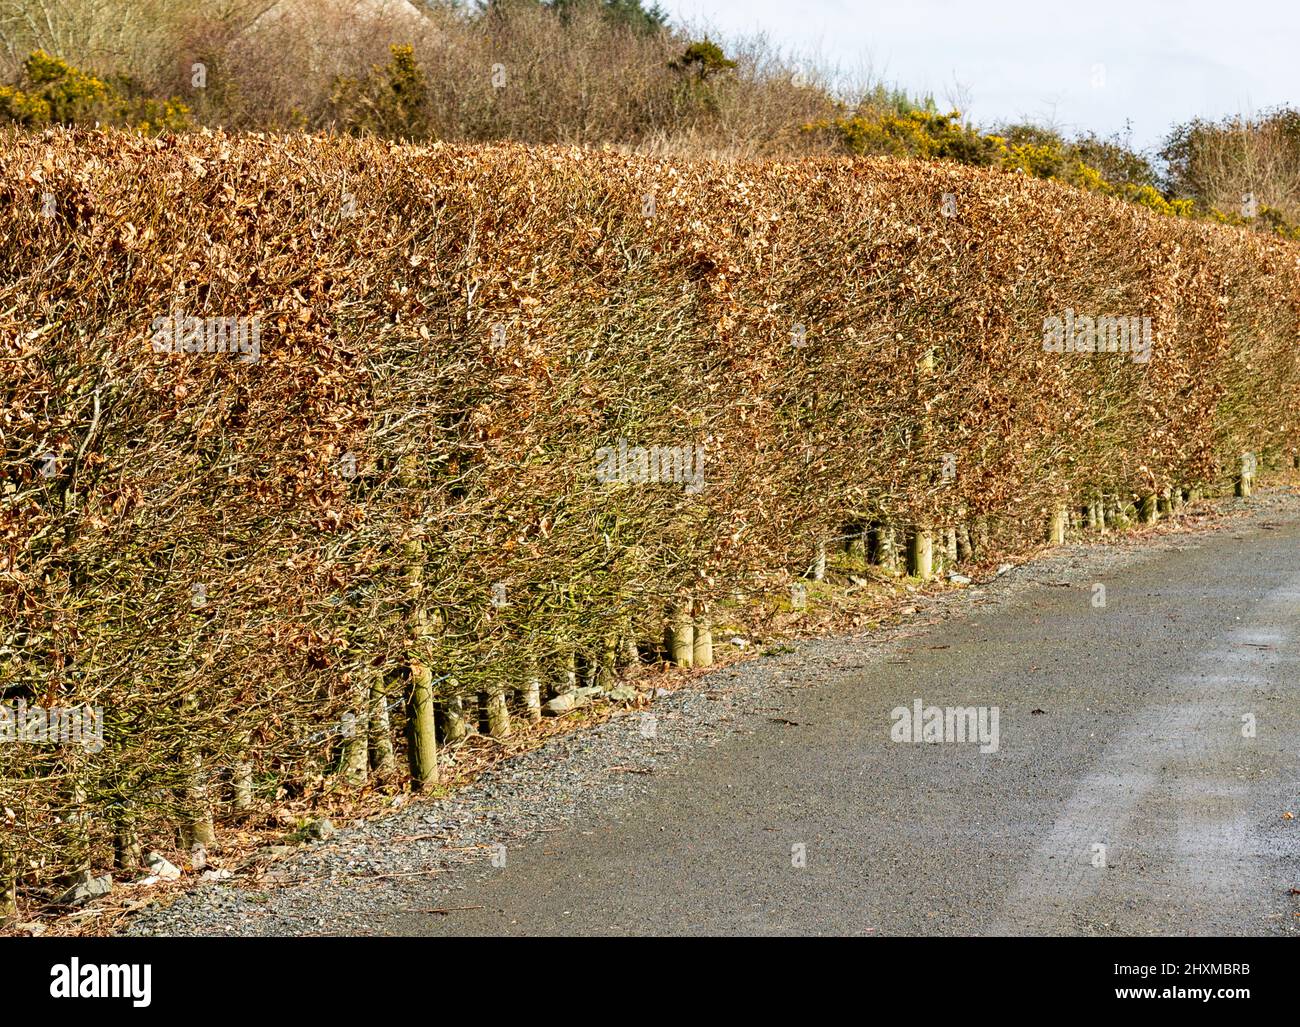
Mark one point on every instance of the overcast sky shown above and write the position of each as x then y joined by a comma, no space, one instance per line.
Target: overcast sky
1085,65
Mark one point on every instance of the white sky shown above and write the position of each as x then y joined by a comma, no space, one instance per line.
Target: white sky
1160,61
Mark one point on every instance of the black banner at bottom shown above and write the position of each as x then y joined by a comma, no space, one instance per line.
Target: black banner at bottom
215,978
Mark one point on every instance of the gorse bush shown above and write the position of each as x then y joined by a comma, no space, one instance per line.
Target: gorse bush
914,133
53,92
389,102
398,505
929,135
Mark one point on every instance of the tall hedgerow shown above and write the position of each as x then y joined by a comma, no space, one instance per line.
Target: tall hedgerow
396,508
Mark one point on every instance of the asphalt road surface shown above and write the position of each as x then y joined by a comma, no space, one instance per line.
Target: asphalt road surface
1146,753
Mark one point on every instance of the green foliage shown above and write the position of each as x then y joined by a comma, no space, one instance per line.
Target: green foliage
890,98
1114,161
702,71
54,92
702,60
391,101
